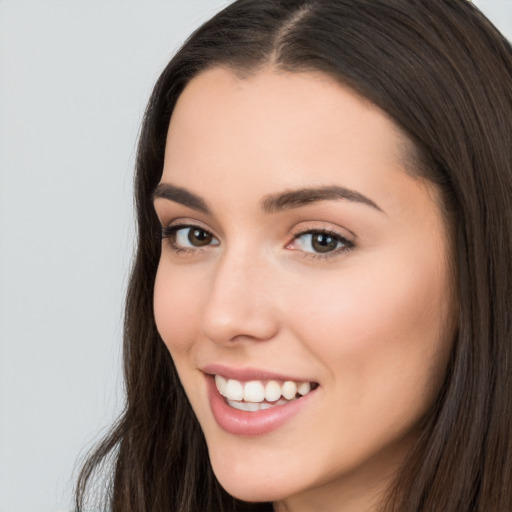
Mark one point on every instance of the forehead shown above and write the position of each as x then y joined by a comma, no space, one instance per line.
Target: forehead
278,114
280,105
272,130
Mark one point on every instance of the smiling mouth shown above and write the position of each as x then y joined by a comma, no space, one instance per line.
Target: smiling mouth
257,395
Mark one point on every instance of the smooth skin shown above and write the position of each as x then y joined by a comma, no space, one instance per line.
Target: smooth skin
367,310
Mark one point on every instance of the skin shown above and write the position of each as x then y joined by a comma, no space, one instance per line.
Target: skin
373,324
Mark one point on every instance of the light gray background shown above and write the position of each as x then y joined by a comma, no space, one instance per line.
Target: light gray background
74,80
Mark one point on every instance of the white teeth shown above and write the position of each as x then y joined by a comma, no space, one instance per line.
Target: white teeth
256,392
289,389
234,390
221,384
252,407
304,388
272,391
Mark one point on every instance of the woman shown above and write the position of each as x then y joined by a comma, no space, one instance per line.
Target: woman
319,312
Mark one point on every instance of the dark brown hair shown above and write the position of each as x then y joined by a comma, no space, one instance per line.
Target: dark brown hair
444,74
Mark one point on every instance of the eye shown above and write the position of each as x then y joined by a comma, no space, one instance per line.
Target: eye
193,237
321,242
188,237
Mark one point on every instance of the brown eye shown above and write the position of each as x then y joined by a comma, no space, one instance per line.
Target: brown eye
188,237
322,242
199,237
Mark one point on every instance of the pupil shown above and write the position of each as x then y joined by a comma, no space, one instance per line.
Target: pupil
324,243
199,237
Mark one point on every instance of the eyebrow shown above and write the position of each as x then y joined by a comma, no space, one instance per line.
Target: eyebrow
272,203
305,196
181,196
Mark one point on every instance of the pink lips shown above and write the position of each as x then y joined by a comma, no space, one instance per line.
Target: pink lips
245,423
247,374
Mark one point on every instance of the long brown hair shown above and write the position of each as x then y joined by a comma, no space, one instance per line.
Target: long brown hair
444,74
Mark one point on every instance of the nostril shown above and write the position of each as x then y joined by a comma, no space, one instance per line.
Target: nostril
238,323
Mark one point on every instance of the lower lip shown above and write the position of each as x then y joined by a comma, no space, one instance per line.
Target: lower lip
244,423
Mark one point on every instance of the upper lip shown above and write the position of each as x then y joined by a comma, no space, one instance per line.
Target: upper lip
248,374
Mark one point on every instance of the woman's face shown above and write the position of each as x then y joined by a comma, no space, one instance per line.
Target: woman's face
299,252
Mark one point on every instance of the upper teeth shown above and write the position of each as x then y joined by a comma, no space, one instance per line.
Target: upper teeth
257,391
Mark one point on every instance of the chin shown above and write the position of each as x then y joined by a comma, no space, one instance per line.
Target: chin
253,492
249,483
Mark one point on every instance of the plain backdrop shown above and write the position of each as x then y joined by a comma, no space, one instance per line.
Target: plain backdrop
74,79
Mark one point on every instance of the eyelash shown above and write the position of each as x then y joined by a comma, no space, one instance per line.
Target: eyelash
169,233
347,245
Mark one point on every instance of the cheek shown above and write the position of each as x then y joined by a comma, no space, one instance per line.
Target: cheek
383,332
176,306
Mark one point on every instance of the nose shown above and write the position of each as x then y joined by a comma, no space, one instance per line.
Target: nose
240,305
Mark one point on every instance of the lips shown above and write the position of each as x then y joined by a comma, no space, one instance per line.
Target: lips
252,402
247,374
